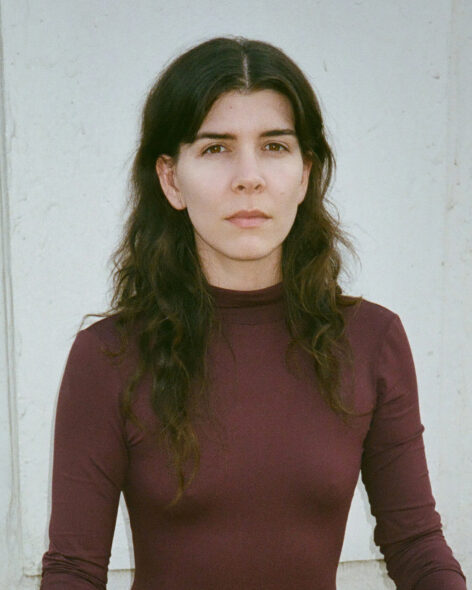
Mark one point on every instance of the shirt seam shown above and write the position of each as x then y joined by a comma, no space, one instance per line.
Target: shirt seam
435,571
255,323
380,347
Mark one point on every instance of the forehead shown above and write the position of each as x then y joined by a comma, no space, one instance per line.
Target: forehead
257,109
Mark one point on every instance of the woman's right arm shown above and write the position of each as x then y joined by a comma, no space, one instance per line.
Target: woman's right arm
90,462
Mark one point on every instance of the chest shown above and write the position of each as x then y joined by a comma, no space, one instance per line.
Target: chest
273,442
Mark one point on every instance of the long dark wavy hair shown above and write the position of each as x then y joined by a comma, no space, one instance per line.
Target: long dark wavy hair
160,293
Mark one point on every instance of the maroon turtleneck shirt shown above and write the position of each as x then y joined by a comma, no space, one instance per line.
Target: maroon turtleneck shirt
269,505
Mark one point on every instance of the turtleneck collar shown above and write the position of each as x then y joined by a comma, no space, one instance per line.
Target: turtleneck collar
258,306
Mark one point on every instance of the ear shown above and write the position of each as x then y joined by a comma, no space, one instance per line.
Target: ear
307,164
166,171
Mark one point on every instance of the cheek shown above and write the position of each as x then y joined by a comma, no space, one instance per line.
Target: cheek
288,174
203,184
288,184
196,190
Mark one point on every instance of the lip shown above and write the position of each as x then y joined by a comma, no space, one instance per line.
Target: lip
248,221
245,214
245,218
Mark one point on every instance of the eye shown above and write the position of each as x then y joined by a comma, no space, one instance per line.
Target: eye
277,145
212,148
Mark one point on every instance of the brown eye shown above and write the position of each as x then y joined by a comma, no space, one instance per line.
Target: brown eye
212,148
277,146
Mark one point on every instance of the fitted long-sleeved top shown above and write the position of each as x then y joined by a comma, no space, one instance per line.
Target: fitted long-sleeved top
269,505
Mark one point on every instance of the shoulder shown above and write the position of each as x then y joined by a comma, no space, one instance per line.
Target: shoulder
102,341
104,331
369,321
91,385
90,345
378,332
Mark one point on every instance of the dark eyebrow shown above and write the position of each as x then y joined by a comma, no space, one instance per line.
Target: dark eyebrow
271,133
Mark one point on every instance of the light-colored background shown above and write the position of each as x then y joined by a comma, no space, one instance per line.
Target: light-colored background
395,81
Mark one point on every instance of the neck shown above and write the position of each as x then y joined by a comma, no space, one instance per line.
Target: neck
242,275
250,306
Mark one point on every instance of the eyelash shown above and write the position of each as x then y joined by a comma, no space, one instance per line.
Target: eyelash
205,151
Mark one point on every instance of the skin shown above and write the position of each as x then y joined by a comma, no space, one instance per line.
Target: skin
215,178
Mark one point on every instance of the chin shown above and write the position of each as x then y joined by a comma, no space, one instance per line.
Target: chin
251,253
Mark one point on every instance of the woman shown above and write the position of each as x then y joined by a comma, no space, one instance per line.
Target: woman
232,392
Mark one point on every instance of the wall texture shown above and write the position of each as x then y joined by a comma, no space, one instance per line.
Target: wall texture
395,81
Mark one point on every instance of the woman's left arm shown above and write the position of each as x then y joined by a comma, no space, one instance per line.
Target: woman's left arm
394,471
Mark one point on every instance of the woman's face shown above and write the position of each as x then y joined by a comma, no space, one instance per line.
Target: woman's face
245,157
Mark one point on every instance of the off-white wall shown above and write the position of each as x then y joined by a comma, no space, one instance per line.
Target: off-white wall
395,83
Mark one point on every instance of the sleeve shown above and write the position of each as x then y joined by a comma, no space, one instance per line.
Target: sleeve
394,471
89,467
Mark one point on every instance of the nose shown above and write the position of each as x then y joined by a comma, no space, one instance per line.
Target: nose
247,174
